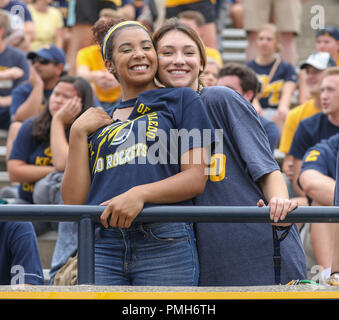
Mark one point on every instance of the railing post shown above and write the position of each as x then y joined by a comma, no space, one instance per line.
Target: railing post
86,251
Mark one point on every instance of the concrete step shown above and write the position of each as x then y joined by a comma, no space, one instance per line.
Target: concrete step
234,44
233,33
233,57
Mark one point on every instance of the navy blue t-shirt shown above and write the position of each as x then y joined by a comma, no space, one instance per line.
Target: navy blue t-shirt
241,254
19,250
311,131
284,73
28,149
143,149
9,58
271,130
18,10
21,93
322,157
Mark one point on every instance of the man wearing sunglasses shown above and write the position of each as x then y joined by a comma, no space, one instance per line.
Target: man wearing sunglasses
31,97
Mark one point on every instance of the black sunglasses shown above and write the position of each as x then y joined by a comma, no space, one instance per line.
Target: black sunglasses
43,60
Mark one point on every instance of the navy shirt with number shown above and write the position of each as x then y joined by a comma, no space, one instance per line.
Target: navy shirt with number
146,148
272,93
311,131
240,254
322,157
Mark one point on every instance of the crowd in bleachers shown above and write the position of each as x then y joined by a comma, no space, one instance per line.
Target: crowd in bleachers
52,70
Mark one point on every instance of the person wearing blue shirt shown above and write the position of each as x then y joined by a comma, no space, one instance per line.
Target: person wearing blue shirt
317,176
14,69
242,172
19,255
317,127
278,77
32,157
30,98
20,16
139,155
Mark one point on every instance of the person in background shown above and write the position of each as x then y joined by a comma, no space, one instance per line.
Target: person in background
211,73
14,70
196,21
327,40
317,180
314,68
48,23
278,78
77,97
286,15
31,157
19,255
82,15
204,7
242,79
91,66
20,17
30,98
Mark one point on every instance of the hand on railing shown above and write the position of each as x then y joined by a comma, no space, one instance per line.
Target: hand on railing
279,208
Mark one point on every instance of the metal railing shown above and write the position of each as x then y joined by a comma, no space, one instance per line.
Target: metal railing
86,216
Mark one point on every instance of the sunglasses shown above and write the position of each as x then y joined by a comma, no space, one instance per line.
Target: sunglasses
43,60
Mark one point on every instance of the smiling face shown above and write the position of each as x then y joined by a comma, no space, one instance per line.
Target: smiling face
179,60
135,59
61,94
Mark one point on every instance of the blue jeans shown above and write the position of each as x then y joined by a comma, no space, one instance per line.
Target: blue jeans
147,254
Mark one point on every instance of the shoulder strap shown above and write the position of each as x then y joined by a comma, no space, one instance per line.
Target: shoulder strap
270,75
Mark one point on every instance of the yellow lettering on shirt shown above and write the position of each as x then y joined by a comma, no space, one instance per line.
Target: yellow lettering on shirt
312,156
272,90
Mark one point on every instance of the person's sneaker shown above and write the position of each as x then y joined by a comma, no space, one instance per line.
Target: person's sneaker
333,280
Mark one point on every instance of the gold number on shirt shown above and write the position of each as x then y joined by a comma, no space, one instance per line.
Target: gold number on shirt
312,156
217,170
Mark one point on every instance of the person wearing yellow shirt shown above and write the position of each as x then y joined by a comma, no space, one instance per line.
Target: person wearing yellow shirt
315,65
90,66
48,22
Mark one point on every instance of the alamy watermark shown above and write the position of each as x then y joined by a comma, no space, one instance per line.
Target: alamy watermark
318,17
17,17
166,147
17,277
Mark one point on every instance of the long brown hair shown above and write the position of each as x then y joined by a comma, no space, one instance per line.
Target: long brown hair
176,24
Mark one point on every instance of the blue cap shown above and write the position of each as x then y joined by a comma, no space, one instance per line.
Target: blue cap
330,31
50,52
